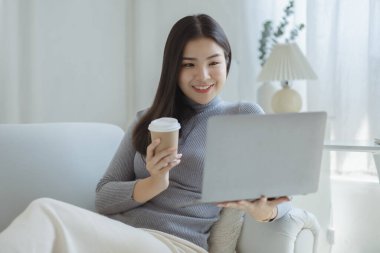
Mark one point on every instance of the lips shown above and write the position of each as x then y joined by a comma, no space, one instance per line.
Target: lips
202,88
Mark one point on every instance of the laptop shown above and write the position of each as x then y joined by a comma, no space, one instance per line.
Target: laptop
273,155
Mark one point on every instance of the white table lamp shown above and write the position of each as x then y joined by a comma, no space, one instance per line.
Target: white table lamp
286,63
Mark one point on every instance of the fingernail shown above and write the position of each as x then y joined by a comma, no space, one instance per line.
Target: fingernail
174,161
179,155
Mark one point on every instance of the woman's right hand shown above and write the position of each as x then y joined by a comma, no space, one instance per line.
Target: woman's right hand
159,164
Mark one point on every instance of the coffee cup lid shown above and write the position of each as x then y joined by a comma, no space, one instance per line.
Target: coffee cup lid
164,124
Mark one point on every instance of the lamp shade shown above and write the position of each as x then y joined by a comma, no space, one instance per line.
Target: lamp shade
285,63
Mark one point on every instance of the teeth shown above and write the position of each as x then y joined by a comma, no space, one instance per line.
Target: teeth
202,87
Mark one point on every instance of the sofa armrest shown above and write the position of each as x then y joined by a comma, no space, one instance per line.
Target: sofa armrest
309,225
279,235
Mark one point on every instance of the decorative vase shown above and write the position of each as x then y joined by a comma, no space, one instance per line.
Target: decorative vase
264,96
286,100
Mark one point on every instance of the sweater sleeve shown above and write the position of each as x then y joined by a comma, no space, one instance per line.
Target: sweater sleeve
283,209
250,108
114,190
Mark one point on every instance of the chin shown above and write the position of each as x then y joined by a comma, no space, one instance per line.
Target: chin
203,101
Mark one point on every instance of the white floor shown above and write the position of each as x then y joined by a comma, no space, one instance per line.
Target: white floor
356,216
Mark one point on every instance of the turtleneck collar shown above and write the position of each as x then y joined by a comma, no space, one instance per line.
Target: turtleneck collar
202,107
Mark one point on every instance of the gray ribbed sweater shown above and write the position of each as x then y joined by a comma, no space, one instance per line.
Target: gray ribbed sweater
114,191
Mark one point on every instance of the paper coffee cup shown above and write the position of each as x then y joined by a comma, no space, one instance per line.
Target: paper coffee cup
167,130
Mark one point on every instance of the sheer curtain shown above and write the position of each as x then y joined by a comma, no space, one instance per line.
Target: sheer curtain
342,45
64,61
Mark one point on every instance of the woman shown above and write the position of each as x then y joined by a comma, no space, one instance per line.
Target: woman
148,187
145,189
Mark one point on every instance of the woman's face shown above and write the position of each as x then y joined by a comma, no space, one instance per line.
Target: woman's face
203,70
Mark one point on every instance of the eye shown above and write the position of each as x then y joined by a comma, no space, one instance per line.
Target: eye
214,63
187,65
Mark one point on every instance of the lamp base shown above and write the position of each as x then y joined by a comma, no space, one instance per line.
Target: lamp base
286,100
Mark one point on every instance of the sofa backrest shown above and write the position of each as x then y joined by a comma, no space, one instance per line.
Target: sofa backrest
63,161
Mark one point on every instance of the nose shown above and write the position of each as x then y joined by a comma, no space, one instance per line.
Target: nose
203,73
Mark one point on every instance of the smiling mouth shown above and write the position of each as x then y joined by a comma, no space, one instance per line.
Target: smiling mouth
203,88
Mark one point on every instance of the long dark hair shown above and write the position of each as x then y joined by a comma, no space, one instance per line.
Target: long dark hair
169,100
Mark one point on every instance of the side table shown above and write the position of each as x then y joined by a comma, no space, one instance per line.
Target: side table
357,146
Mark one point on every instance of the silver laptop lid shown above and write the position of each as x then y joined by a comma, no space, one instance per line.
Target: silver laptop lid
248,156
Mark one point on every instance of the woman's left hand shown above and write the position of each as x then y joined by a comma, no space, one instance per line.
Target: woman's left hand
260,209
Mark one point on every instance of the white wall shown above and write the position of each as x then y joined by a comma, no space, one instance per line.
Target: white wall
68,61
356,209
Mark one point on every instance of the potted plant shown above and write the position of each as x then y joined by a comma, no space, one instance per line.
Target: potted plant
271,36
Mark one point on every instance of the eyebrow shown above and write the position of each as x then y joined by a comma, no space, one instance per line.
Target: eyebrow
193,59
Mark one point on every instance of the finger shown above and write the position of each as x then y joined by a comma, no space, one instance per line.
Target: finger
259,201
166,161
236,206
162,154
163,163
170,166
263,199
151,147
246,203
224,203
278,201
233,204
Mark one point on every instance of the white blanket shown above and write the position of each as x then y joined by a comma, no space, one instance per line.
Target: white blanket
48,226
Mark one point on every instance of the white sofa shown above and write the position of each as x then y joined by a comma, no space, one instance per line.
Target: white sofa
64,161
